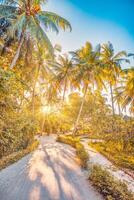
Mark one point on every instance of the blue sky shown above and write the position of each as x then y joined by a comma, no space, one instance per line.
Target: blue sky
97,21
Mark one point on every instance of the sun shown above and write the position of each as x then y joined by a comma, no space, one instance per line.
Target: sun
47,109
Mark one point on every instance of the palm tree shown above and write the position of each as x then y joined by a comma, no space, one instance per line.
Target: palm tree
28,20
126,91
112,67
42,73
63,69
87,72
118,100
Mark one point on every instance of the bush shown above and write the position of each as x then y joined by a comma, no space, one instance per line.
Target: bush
106,184
17,124
68,140
80,150
12,158
82,154
111,149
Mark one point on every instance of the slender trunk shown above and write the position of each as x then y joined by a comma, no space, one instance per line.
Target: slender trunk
34,87
18,52
65,87
112,99
119,109
28,55
42,126
80,111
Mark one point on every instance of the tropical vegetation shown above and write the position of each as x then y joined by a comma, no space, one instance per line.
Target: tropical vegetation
89,91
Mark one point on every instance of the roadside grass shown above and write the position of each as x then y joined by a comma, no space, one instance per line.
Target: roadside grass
101,179
14,157
80,150
108,186
111,151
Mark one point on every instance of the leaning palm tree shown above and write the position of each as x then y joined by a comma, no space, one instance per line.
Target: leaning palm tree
87,72
112,67
28,20
126,91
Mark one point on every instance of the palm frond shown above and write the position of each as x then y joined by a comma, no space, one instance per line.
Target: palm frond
48,24
18,26
7,12
120,55
38,34
57,20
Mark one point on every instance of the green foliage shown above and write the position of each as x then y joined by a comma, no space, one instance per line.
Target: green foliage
17,126
25,24
68,140
54,123
118,140
80,150
105,183
113,151
13,157
82,154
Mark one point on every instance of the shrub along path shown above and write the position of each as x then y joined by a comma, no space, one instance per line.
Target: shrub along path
50,173
97,158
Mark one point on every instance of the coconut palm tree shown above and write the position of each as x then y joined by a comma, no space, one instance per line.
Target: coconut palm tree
87,72
63,69
126,91
29,20
112,67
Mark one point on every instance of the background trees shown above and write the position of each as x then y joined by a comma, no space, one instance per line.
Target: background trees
17,127
87,73
73,84
126,91
25,48
112,66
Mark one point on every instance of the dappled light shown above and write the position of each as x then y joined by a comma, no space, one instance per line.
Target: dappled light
66,118
35,193
52,175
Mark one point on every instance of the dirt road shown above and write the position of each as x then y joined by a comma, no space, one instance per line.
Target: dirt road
50,173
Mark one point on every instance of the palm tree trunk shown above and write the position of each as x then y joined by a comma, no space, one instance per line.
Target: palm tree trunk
18,52
65,87
42,126
112,99
28,55
34,87
119,109
80,110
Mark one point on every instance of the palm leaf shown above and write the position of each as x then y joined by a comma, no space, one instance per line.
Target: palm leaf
120,55
57,20
8,12
48,23
38,34
18,26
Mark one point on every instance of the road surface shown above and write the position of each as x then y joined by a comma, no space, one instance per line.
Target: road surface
50,173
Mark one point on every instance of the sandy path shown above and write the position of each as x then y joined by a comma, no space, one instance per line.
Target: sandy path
50,173
97,158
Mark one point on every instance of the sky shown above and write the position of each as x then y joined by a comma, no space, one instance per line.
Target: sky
97,21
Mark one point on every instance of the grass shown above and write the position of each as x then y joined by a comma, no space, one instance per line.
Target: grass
110,188
111,151
80,150
12,158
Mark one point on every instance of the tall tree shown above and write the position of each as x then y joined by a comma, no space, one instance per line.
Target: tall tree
87,72
28,20
112,67
126,91
63,69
